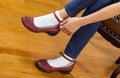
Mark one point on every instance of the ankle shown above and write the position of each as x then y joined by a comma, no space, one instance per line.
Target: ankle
67,57
63,13
62,61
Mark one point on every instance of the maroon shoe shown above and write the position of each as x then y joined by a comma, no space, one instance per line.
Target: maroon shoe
29,24
44,66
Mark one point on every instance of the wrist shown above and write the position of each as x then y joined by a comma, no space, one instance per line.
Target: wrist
86,20
83,21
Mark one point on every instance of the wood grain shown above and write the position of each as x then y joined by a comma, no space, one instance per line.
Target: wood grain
20,48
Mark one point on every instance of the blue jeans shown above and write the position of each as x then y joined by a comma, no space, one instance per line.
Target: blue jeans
84,34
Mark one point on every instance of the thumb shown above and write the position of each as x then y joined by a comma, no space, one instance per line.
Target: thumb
63,23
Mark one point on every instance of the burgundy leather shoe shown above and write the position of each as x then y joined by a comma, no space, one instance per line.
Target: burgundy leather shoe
29,24
44,66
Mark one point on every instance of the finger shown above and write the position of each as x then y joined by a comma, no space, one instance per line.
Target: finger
61,27
69,33
63,23
66,31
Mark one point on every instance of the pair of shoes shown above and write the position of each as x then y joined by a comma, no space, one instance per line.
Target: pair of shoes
29,24
45,67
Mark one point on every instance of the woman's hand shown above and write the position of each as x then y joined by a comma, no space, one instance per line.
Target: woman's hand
71,25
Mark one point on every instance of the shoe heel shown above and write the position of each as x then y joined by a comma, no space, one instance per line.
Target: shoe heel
117,61
52,33
65,72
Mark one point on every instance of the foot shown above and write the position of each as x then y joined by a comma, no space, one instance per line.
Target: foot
46,67
47,23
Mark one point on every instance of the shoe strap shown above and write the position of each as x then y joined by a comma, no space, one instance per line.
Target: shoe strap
56,17
66,57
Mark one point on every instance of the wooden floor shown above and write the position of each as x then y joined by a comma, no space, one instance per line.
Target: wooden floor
20,48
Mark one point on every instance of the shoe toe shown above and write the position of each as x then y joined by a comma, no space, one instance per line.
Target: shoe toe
44,66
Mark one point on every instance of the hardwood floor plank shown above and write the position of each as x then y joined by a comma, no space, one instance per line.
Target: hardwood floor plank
20,48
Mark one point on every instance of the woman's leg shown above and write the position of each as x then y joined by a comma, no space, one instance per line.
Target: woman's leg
83,35
64,61
75,6
78,41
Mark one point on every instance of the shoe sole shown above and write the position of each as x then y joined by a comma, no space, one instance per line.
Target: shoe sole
63,72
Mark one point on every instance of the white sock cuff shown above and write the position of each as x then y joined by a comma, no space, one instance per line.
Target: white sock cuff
68,57
58,15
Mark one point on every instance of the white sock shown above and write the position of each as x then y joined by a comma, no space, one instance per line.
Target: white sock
60,61
47,21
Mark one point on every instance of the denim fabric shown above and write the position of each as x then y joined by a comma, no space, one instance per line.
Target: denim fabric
75,6
114,1
84,34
